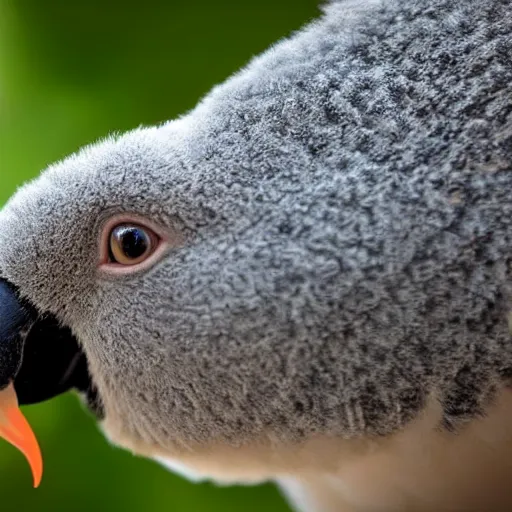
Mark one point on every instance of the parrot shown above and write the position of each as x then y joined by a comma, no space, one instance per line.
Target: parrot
306,279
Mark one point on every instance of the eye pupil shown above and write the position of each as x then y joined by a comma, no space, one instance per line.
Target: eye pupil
134,242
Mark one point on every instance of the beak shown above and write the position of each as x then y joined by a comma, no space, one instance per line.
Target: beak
39,359
14,319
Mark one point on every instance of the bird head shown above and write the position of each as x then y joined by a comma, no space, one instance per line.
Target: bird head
160,277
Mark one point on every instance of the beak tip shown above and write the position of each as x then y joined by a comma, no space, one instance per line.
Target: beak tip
37,481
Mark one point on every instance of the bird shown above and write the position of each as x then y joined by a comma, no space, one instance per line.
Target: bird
305,279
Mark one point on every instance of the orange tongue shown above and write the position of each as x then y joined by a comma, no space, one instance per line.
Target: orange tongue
15,429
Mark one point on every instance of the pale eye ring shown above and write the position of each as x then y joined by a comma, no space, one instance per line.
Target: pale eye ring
130,244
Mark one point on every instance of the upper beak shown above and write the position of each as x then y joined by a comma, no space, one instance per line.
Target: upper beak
39,359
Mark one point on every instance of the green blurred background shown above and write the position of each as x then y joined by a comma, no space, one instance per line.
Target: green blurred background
72,71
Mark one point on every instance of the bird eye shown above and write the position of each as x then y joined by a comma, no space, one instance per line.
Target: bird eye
130,244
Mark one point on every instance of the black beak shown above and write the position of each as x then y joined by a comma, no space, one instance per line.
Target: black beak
41,357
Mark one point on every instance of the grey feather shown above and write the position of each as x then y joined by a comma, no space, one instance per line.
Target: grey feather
345,205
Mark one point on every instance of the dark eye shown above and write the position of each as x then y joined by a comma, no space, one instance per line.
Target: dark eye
130,244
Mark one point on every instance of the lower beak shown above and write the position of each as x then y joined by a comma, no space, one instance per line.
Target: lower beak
15,429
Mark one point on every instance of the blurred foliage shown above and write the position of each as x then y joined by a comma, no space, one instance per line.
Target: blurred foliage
72,72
